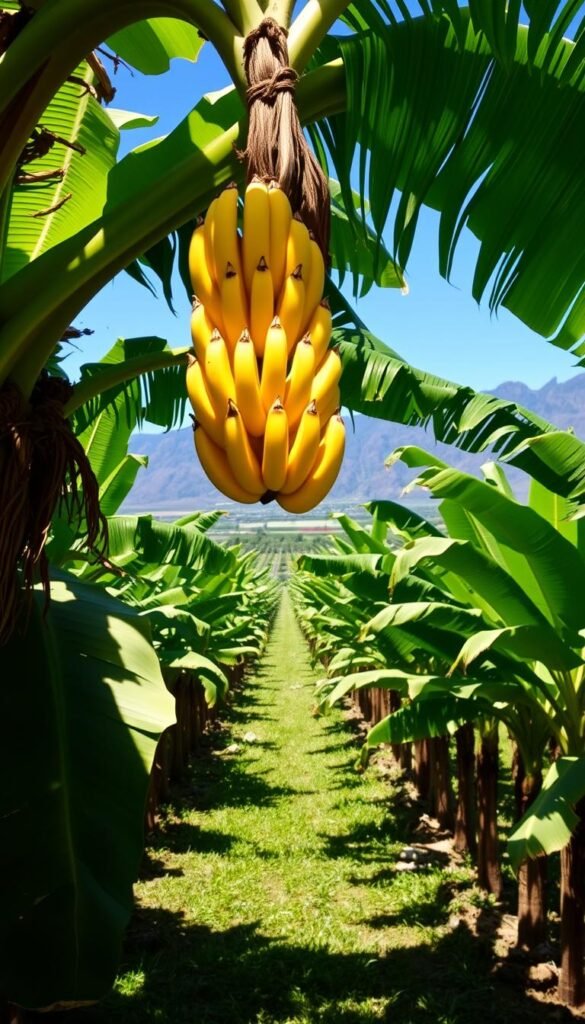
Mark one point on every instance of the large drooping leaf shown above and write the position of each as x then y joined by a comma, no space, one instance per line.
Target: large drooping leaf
377,382
117,486
142,395
525,642
358,253
406,522
78,743
147,543
537,557
414,685
491,146
550,20
150,45
549,822
214,681
472,577
422,720
78,193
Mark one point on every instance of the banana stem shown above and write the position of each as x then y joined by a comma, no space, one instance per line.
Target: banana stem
245,14
41,300
310,27
111,376
280,10
60,35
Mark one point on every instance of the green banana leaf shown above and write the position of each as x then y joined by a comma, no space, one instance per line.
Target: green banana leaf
137,395
526,643
473,576
117,486
150,45
405,522
548,824
78,195
539,558
423,720
434,119
77,752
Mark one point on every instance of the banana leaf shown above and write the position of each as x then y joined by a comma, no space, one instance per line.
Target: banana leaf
76,756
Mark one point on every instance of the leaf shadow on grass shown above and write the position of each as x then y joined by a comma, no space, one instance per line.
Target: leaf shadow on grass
221,780
431,912
368,841
183,973
329,748
236,717
182,837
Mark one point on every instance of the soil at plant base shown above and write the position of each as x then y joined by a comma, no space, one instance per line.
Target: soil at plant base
275,889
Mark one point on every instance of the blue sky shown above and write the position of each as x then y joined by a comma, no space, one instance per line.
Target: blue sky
437,326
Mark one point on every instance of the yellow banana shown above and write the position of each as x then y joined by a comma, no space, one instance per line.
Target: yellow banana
225,238
203,284
203,407
233,304
299,381
319,330
241,459
218,374
217,469
314,283
201,329
256,240
247,381
273,379
303,450
328,405
280,222
323,473
291,306
298,248
209,235
261,305
275,455
326,380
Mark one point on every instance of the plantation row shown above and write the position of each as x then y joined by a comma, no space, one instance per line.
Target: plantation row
464,628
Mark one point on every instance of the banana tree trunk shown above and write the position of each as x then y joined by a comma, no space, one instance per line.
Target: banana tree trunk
441,789
532,875
489,874
392,703
572,981
465,840
422,768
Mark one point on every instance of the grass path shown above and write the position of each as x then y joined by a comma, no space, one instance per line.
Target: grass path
271,894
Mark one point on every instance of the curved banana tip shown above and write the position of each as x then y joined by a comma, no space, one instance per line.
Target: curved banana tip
267,497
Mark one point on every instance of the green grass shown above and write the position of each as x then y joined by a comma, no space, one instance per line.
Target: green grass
270,894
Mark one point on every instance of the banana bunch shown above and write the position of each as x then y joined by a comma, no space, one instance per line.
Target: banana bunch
263,383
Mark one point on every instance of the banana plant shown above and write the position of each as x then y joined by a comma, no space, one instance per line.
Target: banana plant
443,135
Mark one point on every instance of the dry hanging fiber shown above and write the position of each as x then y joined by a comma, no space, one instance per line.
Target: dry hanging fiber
276,146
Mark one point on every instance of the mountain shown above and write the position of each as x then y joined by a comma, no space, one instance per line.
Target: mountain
174,479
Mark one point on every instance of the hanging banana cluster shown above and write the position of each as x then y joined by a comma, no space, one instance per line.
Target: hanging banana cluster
263,384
